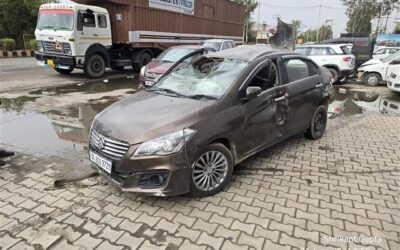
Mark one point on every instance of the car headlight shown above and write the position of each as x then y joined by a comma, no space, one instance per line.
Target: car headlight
165,145
142,70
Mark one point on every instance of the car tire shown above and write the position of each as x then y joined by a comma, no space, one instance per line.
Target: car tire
372,79
144,59
208,180
64,71
335,74
318,124
95,66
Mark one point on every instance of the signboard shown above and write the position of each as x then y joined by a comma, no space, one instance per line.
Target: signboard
388,40
181,6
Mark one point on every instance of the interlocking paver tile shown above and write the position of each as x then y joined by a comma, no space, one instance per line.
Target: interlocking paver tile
337,186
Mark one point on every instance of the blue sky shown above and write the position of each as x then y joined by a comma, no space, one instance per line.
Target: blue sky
298,10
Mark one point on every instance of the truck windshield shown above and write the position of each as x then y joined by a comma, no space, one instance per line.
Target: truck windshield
207,78
56,20
391,57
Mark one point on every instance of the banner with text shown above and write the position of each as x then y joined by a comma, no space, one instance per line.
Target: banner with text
181,6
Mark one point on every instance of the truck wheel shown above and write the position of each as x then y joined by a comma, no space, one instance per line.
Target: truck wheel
211,171
144,59
318,124
372,79
335,74
64,71
95,66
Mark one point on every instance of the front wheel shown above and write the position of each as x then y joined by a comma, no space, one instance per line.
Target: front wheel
211,171
372,79
318,124
64,71
95,66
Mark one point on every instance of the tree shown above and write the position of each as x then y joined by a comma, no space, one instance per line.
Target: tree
250,6
297,25
18,17
325,32
361,12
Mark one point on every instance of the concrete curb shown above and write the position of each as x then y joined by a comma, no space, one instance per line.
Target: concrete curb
16,53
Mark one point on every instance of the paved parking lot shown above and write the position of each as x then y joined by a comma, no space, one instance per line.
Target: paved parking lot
339,192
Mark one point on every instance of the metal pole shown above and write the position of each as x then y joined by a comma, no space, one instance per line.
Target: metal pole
258,21
319,23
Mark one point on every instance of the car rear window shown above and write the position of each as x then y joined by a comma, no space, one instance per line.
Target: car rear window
345,50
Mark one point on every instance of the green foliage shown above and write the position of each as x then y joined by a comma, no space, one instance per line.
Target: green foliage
31,44
250,6
18,17
297,25
361,12
8,44
310,35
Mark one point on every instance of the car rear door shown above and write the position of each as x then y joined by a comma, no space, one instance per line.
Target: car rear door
304,86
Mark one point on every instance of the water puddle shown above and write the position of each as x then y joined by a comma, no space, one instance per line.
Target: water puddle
349,102
53,120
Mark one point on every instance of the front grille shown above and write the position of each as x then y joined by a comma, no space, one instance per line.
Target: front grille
50,47
107,145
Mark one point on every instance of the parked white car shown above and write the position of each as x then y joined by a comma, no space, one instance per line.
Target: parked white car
374,71
384,52
393,81
218,44
336,57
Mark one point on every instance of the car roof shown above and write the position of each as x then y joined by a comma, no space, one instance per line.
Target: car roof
249,52
217,40
187,46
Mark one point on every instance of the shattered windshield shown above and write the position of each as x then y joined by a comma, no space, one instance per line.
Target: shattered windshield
56,20
205,78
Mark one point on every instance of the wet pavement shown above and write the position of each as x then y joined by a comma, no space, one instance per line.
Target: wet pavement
297,194
59,118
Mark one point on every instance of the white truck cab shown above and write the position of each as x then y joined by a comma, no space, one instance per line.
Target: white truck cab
374,71
69,35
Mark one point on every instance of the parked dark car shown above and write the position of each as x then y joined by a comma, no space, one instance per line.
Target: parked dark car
150,73
186,133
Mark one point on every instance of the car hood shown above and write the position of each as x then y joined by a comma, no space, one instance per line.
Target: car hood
158,67
146,115
371,62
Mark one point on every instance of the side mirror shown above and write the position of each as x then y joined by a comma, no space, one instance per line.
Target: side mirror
252,92
395,62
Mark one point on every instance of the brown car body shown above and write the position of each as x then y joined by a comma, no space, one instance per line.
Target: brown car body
243,125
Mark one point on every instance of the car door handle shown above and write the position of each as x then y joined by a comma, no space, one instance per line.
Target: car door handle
279,99
319,85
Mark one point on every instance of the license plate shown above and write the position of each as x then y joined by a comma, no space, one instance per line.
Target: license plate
103,163
50,62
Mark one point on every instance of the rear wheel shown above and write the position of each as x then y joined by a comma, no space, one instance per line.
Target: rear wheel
211,171
144,59
318,124
64,71
372,79
335,74
95,66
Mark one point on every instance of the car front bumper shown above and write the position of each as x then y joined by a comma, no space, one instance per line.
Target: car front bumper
393,85
60,61
154,175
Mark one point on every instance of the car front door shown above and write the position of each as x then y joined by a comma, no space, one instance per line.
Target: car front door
266,115
87,31
304,89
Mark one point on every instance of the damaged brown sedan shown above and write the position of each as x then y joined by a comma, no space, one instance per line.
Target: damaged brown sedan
201,119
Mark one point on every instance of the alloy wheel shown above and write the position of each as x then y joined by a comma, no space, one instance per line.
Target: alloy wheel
210,170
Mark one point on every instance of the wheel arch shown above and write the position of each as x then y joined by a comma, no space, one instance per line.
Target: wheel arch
229,145
100,50
332,66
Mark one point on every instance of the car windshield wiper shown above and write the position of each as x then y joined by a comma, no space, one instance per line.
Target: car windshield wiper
168,91
202,96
